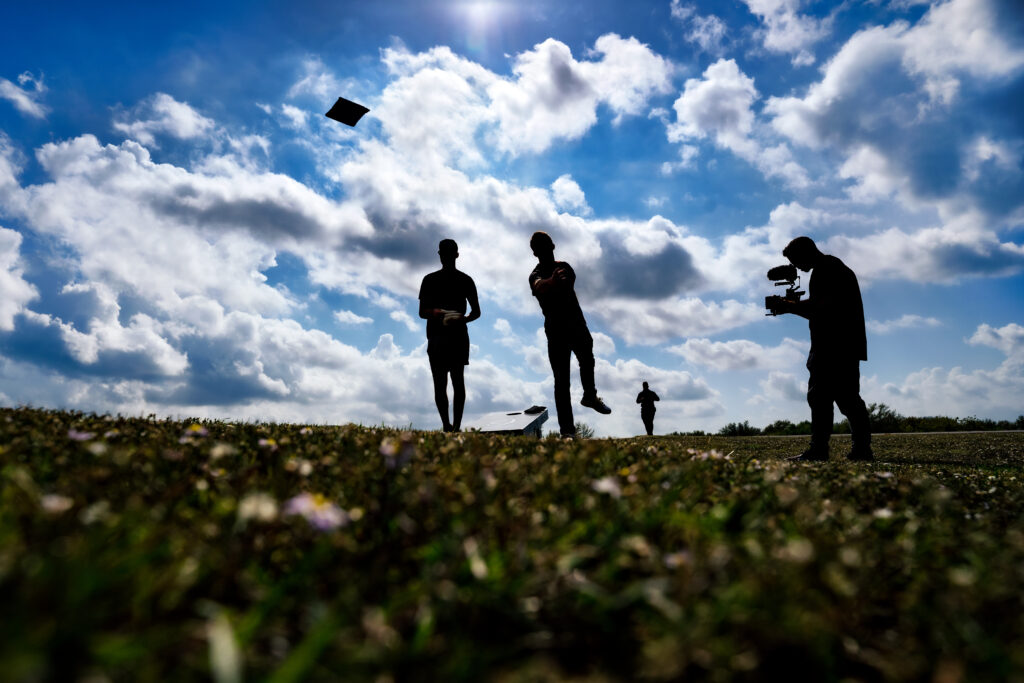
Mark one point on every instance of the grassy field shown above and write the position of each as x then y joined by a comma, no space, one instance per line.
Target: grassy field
145,550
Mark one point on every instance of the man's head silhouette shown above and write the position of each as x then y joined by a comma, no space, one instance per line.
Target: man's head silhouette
802,252
645,385
542,245
448,250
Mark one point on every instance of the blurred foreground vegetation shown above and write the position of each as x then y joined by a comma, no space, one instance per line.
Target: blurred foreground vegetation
148,550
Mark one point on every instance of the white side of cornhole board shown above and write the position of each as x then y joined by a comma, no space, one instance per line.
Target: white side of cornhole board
511,422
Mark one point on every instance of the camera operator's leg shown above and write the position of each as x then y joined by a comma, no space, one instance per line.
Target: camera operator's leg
819,398
852,406
558,355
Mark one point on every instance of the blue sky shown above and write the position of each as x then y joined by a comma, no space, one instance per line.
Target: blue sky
183,232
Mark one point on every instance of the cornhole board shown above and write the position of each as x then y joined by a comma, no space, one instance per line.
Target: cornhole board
512,422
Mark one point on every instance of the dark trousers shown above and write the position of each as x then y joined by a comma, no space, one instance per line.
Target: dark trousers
562,343
836,381
648,418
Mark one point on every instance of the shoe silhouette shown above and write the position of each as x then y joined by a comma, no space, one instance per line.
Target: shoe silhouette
860,455
595,403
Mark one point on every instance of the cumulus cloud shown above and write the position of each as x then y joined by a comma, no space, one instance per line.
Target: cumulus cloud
15,291
553,96
787,31
567,195
904,322
656,322
26,95
781,386
162,115
1009,339
706,30
939,254
719,106
739,354
996,393
954,74
350,318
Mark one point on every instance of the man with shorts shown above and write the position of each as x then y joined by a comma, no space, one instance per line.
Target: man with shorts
443,298
552,282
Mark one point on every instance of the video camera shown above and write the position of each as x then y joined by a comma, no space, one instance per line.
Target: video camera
783,276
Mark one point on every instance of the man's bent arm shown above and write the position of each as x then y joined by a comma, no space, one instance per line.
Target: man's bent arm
474,308
426,312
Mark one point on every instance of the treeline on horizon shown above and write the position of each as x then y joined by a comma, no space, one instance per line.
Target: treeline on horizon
883,420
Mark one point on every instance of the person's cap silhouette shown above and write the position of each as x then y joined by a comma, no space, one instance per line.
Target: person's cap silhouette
346,111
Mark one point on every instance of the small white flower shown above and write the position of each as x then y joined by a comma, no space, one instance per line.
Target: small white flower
609,485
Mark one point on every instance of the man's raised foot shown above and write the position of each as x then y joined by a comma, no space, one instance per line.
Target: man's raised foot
595,403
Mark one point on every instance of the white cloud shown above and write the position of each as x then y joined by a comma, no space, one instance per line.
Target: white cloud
318,81
939,254
162,114
406,319
25,99
904,322
781,386
294,117
707,31
553,96
886,78
568,196
653,202
786,30
740,354
997,393
687,159
1009,339
719,106
15,291
655,322
350,318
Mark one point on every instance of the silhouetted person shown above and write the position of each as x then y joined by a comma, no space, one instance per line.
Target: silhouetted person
552,282
443,298
646,399
838,343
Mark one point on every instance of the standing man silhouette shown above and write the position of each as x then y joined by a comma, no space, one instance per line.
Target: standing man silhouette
552,282
835,313
443,298
646,399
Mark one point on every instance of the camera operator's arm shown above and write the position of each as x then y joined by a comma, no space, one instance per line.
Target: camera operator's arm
804,309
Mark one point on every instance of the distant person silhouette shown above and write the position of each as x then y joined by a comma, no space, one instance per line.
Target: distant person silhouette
646,399
552,282
835,313
443,298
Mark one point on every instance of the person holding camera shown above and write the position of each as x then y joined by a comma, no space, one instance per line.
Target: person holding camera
835,313
552,282
443,298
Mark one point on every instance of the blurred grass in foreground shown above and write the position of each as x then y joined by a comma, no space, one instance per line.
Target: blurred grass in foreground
145,550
